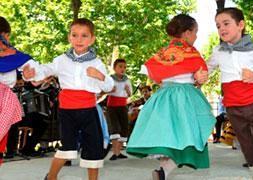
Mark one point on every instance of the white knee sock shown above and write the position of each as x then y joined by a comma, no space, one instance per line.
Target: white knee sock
168,166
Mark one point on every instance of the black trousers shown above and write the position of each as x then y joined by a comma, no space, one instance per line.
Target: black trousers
242,121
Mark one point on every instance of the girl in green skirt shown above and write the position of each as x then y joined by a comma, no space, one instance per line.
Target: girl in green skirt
175,123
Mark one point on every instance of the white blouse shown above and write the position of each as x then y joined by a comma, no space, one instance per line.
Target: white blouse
182,78
120,88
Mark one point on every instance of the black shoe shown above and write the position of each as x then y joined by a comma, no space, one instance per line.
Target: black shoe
234,148
122,156
45,178
9,156
68,163
180,165
113,158
247,165
158,174
36,154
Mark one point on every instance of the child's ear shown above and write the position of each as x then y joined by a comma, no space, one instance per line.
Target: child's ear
241,24
93,38
69,38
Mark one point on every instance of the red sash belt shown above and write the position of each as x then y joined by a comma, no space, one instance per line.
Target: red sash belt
237,93
114,101
76,99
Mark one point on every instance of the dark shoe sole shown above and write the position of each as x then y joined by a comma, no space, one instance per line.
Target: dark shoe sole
246,165
45,178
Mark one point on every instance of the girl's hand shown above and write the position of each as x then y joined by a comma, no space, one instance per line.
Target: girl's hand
28,72
201,76
247,75
93,72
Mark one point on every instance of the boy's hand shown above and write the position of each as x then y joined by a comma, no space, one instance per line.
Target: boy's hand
93,72
127,89
201,76
247,75
28,72
113,89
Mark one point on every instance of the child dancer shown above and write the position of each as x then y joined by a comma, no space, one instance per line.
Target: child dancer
117,108
81,75
176,121
234,56
10,113
10,60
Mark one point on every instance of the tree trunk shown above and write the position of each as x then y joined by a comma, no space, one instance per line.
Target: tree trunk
76,4
220,4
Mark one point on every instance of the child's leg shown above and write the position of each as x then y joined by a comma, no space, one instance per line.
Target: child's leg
93,173
168,165
115,147
92,152
241,119
55,168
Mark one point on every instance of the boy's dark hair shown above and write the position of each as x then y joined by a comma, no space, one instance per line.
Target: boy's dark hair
145,87
4,25
117,61
235,14
180,24
84,22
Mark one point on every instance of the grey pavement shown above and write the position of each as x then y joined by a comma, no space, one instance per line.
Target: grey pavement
226,164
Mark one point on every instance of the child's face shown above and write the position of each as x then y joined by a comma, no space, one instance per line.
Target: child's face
80,38
229,30
146,93
120,69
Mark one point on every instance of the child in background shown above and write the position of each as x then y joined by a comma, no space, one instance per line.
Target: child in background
135,106
234,57
81,76
117,108
176,121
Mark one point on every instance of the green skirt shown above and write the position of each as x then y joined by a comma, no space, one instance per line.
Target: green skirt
175,122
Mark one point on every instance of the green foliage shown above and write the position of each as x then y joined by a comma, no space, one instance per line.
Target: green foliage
247,8
39,27
212,87
137,27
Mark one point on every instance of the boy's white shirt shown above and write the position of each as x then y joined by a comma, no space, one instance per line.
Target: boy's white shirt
72,75
120,88
230,64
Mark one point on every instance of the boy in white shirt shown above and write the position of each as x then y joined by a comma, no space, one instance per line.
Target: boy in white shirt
81,75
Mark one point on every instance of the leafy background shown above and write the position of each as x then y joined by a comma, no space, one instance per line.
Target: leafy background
130,29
